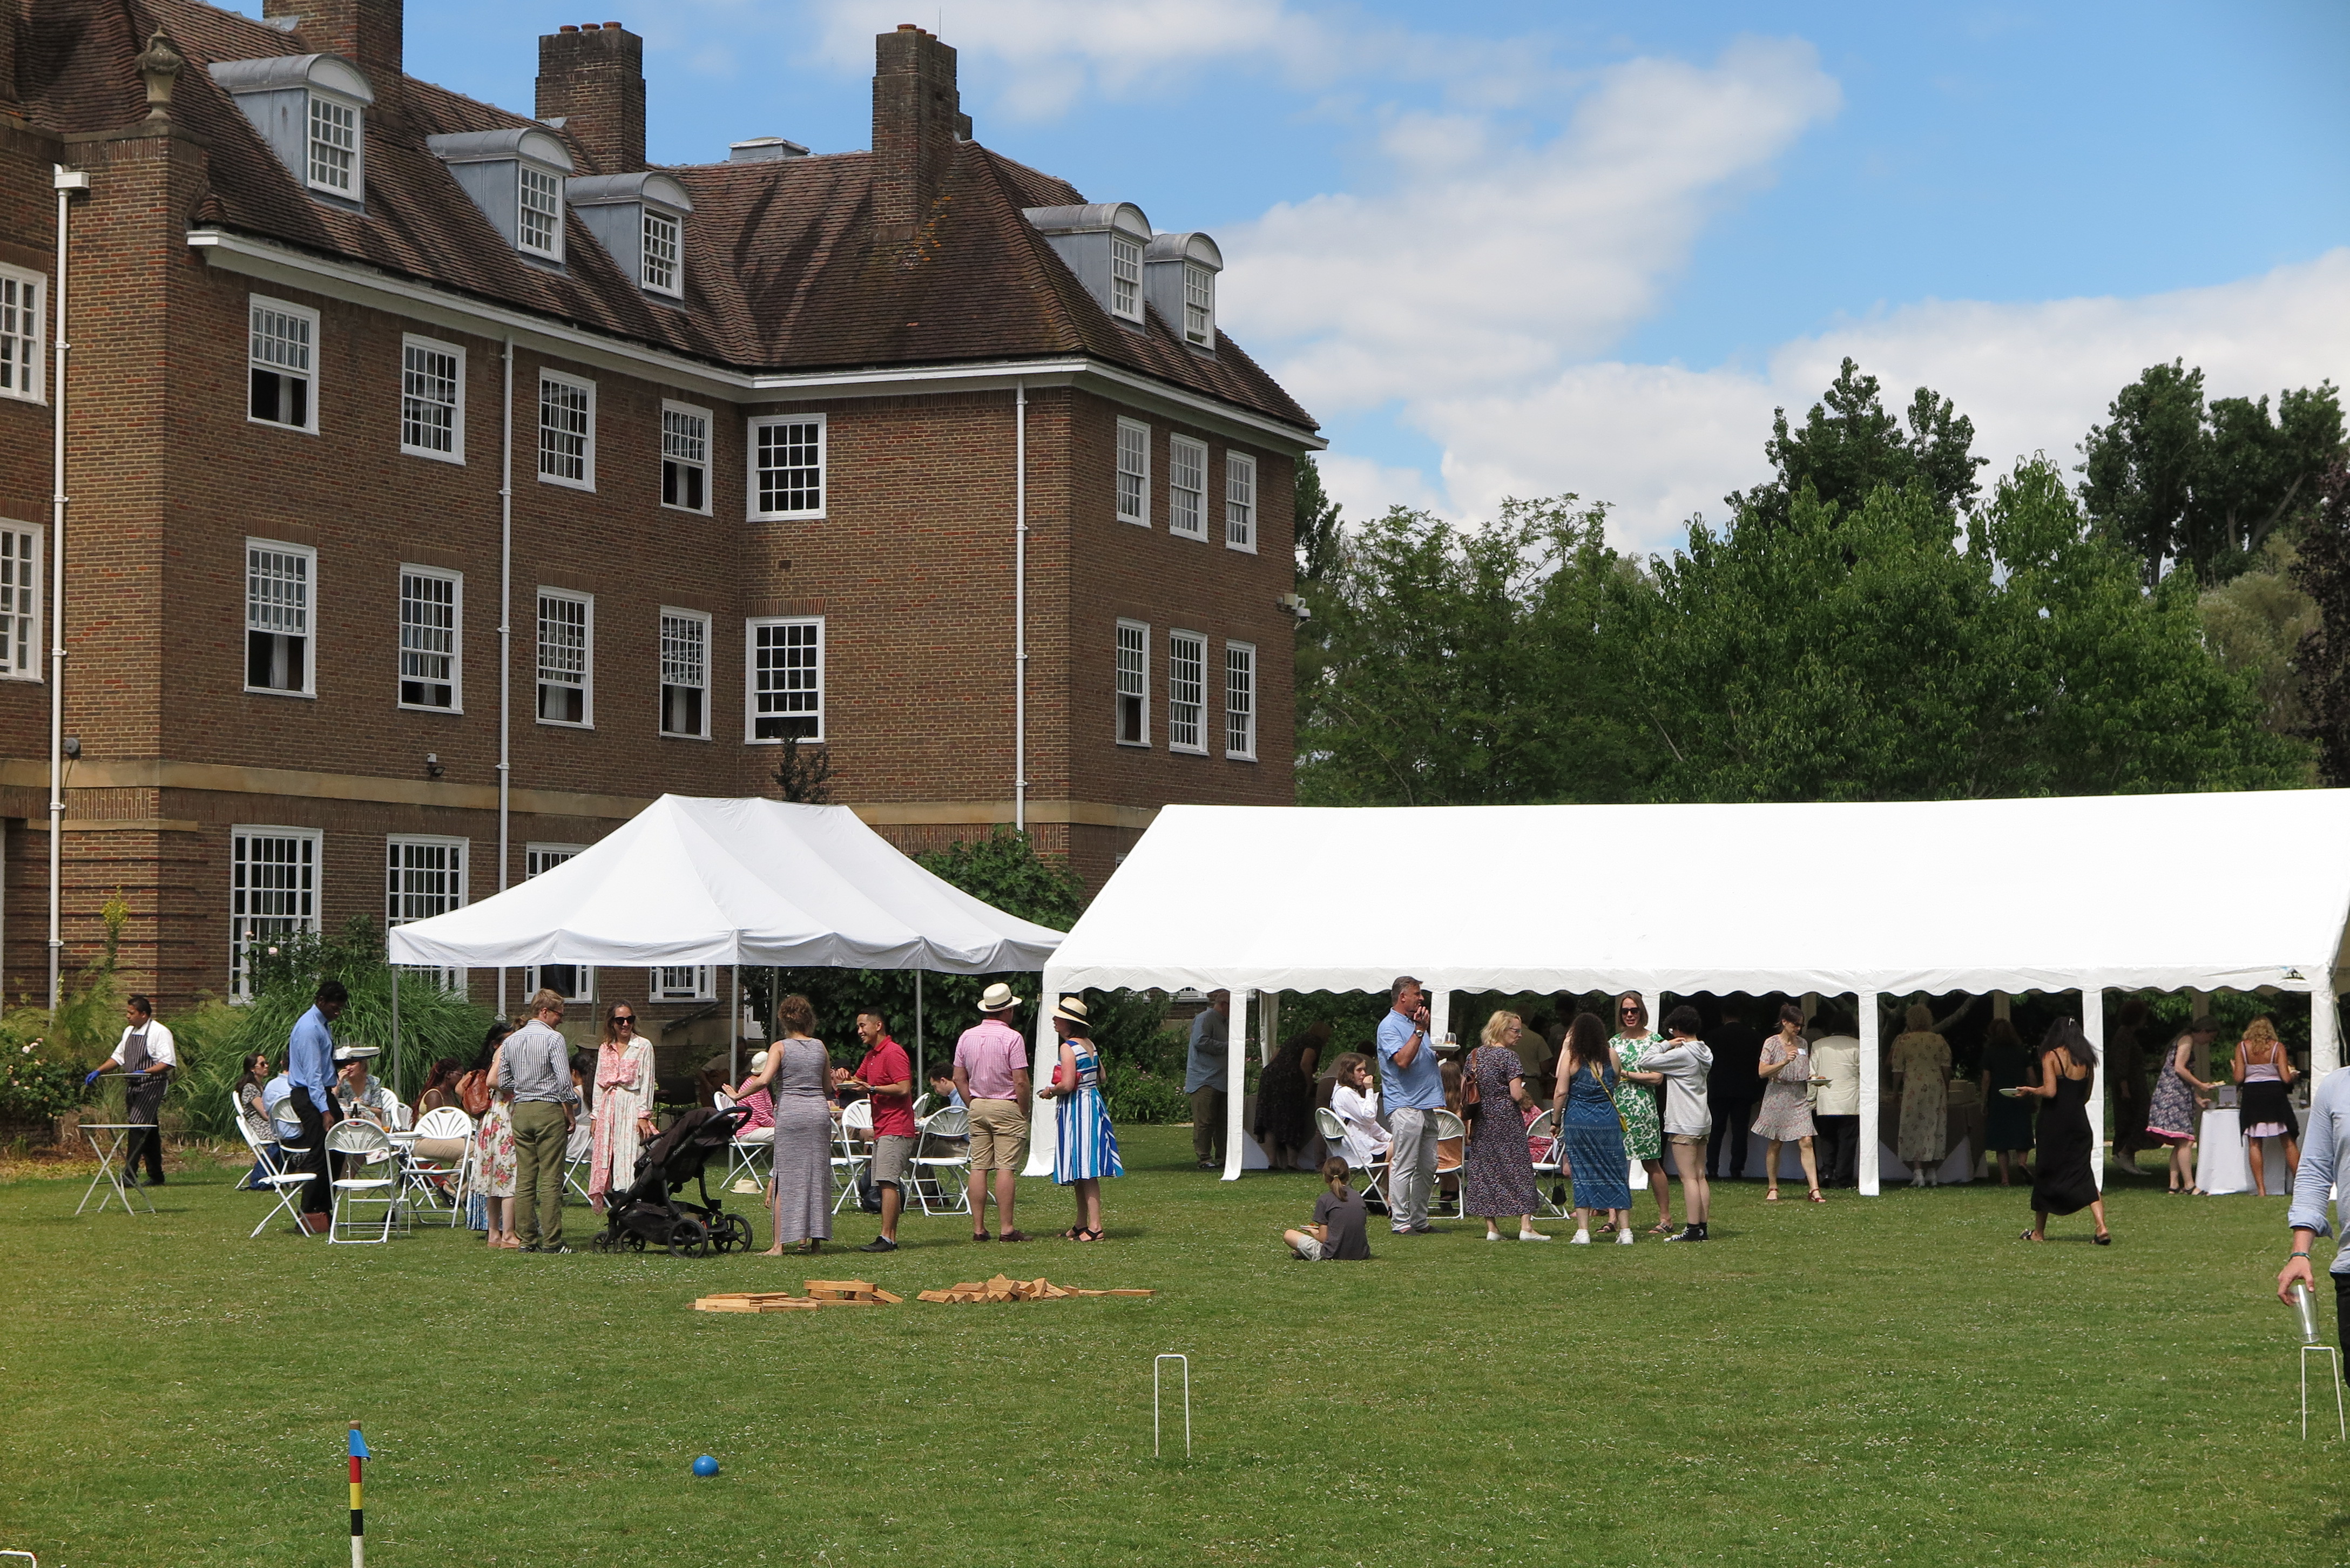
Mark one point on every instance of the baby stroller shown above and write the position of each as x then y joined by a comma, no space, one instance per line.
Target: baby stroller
651,1211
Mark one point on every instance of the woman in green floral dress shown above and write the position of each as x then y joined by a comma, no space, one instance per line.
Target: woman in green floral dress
1643,1135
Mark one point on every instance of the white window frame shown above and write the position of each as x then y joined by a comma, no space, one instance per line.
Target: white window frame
587,720
1187,505
356,190
587,480
309,372
24,330
1140,687
553,250
1125,277
1198,305
709,426
750,715
537,859
310,632
703,985
1197,725
397,894
456,581
239,912
21,600
1133,443
657,220
1239,716
701,619
752,469
1239,502
411,343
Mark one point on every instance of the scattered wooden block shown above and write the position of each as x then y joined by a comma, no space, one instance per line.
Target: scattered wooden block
886,1298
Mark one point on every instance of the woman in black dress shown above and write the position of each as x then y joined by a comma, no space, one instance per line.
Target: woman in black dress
1284,1098
2065,1181
2007,1064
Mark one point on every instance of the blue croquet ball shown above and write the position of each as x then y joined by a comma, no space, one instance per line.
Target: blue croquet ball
705,1466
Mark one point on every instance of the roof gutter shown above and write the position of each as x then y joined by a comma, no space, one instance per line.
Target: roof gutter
357,283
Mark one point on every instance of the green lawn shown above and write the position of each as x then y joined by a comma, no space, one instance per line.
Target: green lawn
1889,1381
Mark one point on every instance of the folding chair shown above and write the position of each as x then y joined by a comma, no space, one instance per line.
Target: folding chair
850,1161
365,1146
944,1145
423,1176
1450,1128
750,1148
1334,1136
276,1177
1550,1168
577,1153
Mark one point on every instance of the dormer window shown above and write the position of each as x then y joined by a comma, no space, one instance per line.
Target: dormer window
540,228
1103,244
312,110
517,178
334,145
1179,280
639,220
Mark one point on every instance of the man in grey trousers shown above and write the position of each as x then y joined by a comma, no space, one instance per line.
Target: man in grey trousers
1411,1091
535,1063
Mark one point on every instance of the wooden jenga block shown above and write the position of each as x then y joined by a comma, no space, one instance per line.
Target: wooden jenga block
886,1298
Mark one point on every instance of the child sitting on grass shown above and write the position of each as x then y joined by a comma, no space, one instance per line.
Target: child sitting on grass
1337,1230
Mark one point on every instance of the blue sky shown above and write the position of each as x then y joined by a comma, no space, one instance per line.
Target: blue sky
1516,249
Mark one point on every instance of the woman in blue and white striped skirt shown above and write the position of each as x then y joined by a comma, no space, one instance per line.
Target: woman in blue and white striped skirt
1087,1147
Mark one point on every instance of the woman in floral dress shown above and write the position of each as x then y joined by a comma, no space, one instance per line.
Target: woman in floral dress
1922,1062
493,1148
1786,1116
1497,1176
1644,1133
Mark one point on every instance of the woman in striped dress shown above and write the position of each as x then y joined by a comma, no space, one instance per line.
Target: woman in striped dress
1087,1147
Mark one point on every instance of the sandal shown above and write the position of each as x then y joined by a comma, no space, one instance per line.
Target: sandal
1818,1196
1661,1228
1074,1233
807,1249
1089,1235
2103,1237
1771,1196
1014,1236
2028,1236
980,1236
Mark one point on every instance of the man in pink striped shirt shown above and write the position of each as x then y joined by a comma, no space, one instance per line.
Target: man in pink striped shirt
991,1074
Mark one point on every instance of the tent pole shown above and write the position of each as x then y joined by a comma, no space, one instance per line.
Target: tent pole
2093,1025
1043,1122
1866,1170
1237,1082
735,1033
918,1078
1268,1027
2324,1028
397,1054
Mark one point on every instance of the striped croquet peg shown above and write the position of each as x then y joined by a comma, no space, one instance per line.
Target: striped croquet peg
358,1514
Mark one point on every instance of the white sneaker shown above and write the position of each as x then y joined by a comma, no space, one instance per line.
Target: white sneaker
1624,1236
1531,1236
1580,1239
1493,1235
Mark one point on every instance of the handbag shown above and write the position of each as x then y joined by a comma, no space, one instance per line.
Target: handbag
473,1091
1471,1107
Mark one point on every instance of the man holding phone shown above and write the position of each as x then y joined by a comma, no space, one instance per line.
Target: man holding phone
1411,1091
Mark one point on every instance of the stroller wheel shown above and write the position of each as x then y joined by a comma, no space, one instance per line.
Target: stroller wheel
689,1238
733,1235
601,1241
636,1242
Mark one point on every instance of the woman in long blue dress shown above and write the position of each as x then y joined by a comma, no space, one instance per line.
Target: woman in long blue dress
1086,1149
1591,1129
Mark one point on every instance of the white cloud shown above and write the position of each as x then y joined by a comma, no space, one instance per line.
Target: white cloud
1662,442
1489,262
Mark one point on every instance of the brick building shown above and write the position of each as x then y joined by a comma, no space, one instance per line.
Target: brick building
736,453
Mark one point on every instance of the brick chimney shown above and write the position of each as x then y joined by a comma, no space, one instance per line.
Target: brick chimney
592,78
368,32
917,119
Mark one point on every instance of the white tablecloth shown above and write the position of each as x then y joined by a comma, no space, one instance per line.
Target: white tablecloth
2221,1164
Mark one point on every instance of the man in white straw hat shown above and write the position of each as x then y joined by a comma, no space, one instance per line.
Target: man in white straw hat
991,1074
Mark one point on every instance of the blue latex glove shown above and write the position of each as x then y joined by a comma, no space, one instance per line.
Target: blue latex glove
94,1072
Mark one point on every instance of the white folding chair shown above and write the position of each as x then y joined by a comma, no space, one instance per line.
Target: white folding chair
366,1147
750,1148
423,1176
275,1178
1449,1128
577,1152
944,1145
1334,1136
1548,1169
404,1117
848,1161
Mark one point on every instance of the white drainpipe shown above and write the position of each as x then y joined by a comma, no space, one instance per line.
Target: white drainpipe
66,182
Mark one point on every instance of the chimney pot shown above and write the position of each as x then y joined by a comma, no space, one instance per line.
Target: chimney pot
570,26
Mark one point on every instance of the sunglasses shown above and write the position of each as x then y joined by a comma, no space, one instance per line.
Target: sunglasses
624,1018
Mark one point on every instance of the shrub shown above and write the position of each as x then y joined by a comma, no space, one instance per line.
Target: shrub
1135,1096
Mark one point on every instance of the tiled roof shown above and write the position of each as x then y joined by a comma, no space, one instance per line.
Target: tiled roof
783,272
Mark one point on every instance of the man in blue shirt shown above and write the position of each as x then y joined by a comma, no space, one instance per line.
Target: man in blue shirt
310,1068
1411,1091
2324,1159
1205,1077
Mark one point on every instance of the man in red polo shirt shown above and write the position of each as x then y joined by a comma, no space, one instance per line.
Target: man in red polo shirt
888,1078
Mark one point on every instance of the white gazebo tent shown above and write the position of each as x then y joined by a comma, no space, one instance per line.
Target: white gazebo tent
2115,891
693,881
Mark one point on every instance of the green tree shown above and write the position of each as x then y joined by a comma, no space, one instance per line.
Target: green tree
1470,665
2254,625
1849,447
2181,483
1319,538
2322,572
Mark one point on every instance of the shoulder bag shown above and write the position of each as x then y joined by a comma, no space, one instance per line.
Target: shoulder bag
1471,1105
